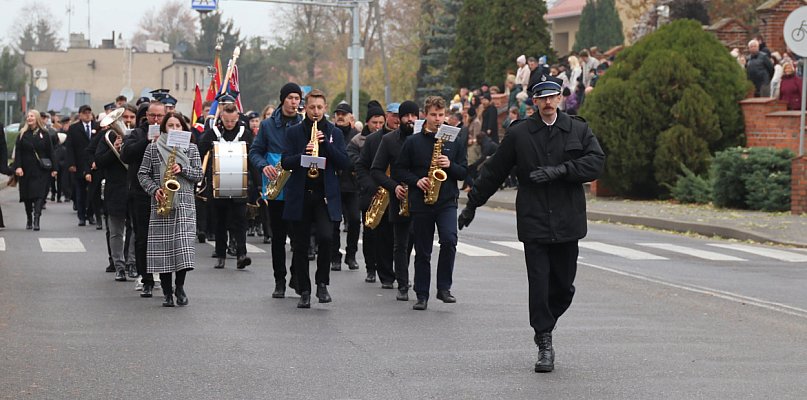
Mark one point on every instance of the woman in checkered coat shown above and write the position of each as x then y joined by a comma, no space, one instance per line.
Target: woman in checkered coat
171,239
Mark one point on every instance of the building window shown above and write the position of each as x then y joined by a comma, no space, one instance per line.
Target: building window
185,80
194,76
176,78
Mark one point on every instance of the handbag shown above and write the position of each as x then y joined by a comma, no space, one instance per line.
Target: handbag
12,181
44,163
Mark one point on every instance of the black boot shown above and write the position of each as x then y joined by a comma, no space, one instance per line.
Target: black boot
147,287
29,222
280,291
305,300
546,354
351,262
168,292
421,304
322,293
242,262
403,294
182,298
336,265
219,263
36,222
370,277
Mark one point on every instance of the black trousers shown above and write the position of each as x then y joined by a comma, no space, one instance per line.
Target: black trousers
424,223
94,203
383,245
165,278
140,210
230,214
80,196
352,215
201,216
263,215
551,269
315,215
368,237
279,228
403,243
34,207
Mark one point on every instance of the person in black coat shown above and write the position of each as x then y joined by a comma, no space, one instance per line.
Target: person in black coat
313,202
4,169
554,155
349,188
412,167
33,165
78,138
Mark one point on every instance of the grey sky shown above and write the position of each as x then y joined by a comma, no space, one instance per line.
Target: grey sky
253,18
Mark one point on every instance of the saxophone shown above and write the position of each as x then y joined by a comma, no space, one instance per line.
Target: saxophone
436,175
274,187
404,211
169,186
313,173
378,205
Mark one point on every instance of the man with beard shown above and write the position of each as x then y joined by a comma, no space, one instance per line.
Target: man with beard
388,151
554,154
264,154
375,241
313,199
227,212
349,188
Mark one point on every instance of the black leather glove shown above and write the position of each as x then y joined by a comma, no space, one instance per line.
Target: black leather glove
546,174
466,216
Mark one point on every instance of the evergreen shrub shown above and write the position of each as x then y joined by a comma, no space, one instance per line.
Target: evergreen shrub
691,188
756,178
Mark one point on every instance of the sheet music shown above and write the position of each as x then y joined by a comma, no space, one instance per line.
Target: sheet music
154,132
309,161
447,132
419,125
181,139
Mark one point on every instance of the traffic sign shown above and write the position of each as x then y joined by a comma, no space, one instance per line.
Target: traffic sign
8,96
795,31
204,5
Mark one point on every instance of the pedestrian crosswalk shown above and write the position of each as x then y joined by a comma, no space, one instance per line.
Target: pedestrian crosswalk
642,251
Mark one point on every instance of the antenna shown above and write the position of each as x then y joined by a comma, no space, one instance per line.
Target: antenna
89,31
69,10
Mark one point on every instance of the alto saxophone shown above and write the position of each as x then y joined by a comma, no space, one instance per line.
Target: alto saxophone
378,205
169,186
275,186
313,173
404,211
436,175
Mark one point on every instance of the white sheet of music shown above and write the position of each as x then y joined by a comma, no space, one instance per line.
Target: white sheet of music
447,132
181,139
309,161
419,125
154,131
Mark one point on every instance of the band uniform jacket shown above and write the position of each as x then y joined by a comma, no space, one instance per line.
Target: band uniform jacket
116,188
76,146
171,239
333,149
555,211
206,146
35,182
363,164
134,146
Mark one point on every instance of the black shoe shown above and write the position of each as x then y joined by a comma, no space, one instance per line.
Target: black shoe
29,224
251,232
336,265
305,300
446,296
59,200
219,263
387,285
280,291
231,249
322,293
201,237
242,262
147,287
311,255
91,221
53,197
267,240
120,276
403,295
99,225
370,277
351,263
168,297
182,298
82,223
421,305
36,222
110,268
546,354
132,271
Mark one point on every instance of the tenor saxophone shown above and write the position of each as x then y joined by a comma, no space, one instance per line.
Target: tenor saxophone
436,175
404,211
275,186
169,186
313,173
378,205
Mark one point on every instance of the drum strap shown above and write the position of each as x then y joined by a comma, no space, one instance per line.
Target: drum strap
221,139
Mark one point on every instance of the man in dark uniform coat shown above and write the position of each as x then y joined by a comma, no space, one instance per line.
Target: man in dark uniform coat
554,155
349,188
78,138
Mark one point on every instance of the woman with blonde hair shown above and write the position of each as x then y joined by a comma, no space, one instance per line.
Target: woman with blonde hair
575,71
33,165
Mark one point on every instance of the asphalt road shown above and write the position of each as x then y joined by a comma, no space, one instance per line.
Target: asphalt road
647,322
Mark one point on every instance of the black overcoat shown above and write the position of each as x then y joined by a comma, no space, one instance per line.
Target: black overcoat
35,182
116,188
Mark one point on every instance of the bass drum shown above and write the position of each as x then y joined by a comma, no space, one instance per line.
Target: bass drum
230,175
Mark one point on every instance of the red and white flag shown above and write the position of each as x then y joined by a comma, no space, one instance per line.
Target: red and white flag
235,87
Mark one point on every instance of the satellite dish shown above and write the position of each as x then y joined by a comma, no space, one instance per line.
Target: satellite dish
127,92
41,84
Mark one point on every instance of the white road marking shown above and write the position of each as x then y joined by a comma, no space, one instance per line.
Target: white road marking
620,251
734,297
473,251
61,245
764,252
251,248
704,254
513,245
2,244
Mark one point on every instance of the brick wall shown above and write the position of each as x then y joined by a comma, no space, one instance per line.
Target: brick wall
798,186
769,124
772,23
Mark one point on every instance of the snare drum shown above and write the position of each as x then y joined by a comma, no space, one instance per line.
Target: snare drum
230,175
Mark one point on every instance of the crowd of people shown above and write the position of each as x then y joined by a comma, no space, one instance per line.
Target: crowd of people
773,74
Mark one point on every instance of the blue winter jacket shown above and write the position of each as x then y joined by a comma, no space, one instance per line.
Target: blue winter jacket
267,148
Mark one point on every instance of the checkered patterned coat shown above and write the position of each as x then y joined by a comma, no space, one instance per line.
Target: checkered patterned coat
171,239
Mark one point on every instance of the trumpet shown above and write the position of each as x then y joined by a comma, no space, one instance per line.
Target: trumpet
313,173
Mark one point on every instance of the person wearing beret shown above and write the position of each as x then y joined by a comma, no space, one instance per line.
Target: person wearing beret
554,154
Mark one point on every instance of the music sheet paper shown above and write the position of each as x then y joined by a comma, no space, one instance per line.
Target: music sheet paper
309,161
447,132
154,132
419,125
181,139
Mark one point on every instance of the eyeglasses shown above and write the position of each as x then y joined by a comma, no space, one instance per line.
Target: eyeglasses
156,115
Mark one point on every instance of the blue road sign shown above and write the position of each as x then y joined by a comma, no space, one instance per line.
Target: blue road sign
204,5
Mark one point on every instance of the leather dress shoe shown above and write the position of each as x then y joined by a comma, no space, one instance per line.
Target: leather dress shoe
147,287
322,293
403,295
446,296
242,262
110,268
82,223
421,305
387,285
182,298
120,276
99,225
311,255
200,236
351,263
280,291
336,265
370,277
219,263
305,300
91,221
168,298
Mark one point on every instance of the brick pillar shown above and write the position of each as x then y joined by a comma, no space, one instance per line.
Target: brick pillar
798,186
599,190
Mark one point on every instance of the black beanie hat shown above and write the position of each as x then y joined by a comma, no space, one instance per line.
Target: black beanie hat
288,89
408,107
374,109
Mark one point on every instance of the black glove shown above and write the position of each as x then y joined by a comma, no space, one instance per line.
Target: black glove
466,216
546,174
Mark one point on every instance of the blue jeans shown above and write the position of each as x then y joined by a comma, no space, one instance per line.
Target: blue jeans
445,220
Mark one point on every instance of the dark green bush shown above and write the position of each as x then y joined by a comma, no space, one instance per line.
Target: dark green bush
691,188
757,178
727,171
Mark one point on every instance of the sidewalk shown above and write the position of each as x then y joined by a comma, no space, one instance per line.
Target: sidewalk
780,228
